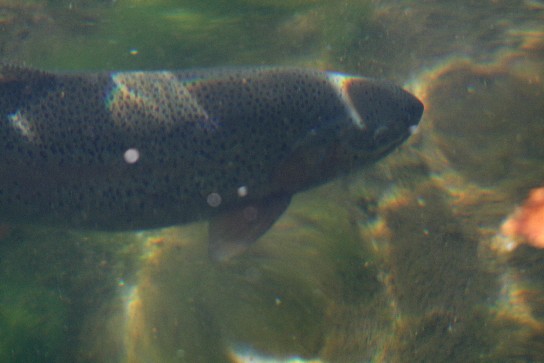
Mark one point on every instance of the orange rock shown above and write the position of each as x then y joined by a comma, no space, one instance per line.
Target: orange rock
527,222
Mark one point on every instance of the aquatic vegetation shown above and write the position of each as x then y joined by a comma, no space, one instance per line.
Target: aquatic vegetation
51,280
89,35
32,320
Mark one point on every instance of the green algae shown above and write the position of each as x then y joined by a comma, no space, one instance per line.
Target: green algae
52,279
171,34
31,322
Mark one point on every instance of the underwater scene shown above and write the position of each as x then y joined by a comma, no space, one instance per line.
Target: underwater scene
352,181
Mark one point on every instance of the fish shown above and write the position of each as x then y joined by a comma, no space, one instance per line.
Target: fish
134,150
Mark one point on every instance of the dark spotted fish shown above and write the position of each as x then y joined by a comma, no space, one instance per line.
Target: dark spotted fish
135,150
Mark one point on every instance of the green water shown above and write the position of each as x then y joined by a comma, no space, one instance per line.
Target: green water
179,34
403,262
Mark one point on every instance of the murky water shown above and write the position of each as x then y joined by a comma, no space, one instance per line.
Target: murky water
410,260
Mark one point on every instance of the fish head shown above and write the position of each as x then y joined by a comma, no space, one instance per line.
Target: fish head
378,116
381,116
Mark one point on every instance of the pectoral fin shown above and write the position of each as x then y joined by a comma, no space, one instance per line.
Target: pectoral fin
234,230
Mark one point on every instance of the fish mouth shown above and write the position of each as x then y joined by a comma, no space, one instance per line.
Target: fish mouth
392,145
415,112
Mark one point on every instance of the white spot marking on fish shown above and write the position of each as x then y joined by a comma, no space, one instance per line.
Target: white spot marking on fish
214,200
131,156
242,191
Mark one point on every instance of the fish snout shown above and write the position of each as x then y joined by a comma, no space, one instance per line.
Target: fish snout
414,110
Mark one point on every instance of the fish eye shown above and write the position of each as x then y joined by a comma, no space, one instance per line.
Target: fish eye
380,135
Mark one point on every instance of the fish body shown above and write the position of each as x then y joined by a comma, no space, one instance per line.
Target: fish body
136,150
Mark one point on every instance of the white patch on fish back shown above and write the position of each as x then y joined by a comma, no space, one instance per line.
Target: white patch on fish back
22,125
139,97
